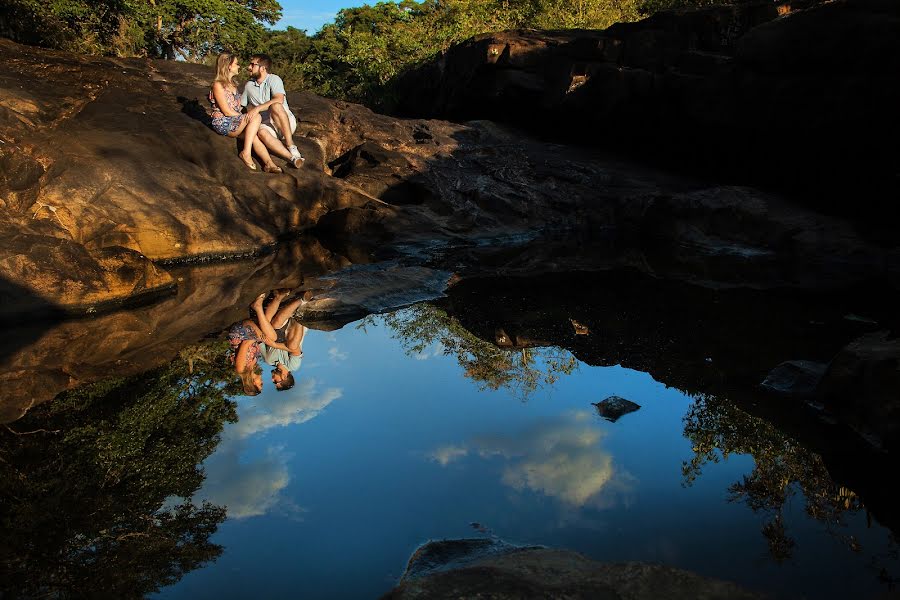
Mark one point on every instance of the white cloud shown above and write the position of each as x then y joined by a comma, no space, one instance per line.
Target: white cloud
447,454
561,458
246,489
336,354
253,487
278,409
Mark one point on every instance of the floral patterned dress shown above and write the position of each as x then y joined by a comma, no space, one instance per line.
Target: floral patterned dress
222,124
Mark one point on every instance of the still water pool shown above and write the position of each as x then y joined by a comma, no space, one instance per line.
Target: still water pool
380,447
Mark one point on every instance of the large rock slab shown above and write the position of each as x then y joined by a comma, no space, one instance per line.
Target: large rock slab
512,572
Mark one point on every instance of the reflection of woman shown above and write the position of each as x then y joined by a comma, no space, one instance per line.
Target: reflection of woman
245,338
226,113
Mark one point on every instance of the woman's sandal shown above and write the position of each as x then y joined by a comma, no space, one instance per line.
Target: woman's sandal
273,168
248,161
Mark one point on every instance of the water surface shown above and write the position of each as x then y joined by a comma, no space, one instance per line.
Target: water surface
384,444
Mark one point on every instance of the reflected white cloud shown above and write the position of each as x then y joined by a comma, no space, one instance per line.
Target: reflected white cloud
253,487
336,354
246,489
561,458
297,405
447,454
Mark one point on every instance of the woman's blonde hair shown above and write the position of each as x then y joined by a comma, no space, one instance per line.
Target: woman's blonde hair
223,66
250,386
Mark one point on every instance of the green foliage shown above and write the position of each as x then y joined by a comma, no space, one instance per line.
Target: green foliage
90,482
191,29
521,371
357,56
718,429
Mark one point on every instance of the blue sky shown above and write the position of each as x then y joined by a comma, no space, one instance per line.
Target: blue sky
312,14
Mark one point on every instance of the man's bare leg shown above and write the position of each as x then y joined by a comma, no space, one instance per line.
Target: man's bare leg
286,312
282,121
294,341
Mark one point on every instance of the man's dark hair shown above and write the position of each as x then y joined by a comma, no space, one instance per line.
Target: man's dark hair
286,383
264,61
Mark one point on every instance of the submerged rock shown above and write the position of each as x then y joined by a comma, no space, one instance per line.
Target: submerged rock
614,408
491,569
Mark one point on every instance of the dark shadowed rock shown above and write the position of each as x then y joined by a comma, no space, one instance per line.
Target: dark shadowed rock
795,378
794,93
492,569
615,407
862,385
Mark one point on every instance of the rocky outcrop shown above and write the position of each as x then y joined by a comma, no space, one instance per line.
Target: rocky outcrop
38,360
110,175
478,569
791,93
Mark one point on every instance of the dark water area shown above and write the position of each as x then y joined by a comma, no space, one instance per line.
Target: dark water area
479,414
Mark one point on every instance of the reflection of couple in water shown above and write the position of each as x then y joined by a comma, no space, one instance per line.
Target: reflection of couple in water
273,334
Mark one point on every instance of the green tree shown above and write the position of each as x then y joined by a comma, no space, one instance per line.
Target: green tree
191,29
522,371
95,485
194,29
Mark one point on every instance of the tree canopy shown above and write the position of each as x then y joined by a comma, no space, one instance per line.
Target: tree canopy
191,29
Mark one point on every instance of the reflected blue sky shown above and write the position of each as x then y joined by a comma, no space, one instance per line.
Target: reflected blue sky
332,485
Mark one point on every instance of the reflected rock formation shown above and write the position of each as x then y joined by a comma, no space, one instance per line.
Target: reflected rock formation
43,359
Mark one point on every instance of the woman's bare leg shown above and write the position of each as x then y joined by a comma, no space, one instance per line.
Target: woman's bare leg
264,324
249,128
272,307
261,151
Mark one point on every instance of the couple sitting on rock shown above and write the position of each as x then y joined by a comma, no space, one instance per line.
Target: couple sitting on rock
272,333
268,125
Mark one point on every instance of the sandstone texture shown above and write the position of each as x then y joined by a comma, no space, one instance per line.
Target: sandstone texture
798,94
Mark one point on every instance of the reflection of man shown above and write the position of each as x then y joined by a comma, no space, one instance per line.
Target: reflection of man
266,91
287,357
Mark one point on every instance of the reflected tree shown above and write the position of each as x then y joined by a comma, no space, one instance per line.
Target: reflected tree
522,371
783,468
94,484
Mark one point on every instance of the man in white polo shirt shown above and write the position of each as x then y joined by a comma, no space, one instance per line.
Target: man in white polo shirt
266,91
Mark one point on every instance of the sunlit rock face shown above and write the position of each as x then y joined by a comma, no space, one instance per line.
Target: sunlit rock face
790,93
